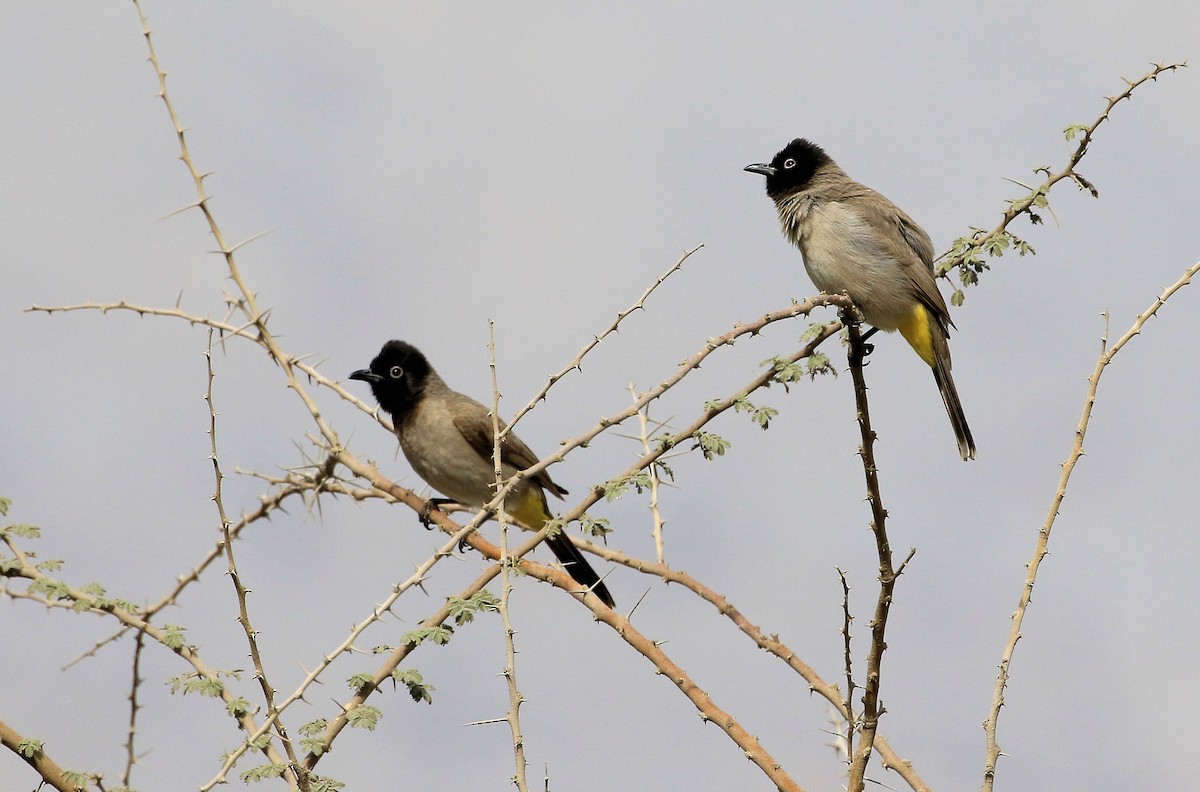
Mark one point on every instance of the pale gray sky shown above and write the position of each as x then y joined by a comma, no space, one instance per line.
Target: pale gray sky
423,167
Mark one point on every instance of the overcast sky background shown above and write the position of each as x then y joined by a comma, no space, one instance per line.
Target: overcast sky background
423,167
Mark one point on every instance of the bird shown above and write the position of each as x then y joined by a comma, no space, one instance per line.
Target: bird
448,439
854,240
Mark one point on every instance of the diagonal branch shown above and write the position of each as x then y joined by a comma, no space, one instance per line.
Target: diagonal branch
33,754
1043,538
595,342
965,253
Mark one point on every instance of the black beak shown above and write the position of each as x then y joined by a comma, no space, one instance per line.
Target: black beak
366,375
762,167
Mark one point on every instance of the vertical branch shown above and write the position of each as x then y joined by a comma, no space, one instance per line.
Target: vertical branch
139,641
652,472
872,710
1041,549
296,775
510,666
848,700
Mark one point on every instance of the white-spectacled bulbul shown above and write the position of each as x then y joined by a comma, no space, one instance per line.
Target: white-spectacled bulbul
448,439
856,241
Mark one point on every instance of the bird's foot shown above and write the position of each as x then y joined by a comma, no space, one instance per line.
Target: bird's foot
860,350
430,505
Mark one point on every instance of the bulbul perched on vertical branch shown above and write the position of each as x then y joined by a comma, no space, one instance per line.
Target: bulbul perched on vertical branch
856,241
448,439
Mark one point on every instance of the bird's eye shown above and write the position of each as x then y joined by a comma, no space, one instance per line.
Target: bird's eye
395,372
789,163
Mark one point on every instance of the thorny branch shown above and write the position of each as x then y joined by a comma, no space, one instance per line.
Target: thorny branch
1043,538
255,328
872,709
965,255
513,716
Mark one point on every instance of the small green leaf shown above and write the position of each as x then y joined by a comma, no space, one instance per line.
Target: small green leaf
463,610
364,717
439,635
594,526
263,772
77,778
412,679
812,332
29,748
664,442
710,445
24,531
238,707
174,637
640,481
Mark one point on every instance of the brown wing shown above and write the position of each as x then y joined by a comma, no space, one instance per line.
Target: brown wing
475,425
910,245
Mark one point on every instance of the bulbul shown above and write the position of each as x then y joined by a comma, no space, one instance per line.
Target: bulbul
856,241
448,439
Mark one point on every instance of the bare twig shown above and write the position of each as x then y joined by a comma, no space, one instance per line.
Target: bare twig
965,254
592,344
294,774
139,641
377,614
644,433
652,650
767,642
684,368
872,709
848,701
513,717
1043,538
245,301
72,598
561,580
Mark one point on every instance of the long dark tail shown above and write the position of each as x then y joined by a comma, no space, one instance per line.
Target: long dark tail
578,567
945,384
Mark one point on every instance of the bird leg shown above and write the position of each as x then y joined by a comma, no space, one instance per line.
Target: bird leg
859,348
430,505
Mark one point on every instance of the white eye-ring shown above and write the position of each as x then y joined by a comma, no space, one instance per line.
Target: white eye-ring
395,372
789,163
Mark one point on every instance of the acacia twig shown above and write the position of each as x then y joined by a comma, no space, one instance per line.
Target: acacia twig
964,255
415,580
872,708
848,701
595,341
513,717
1041,548
71,598
36,757
294,774
644,433
139,641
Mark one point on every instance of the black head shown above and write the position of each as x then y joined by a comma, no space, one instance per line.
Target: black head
793,168
397,377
